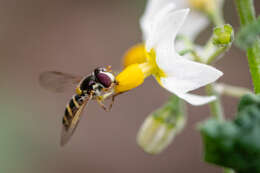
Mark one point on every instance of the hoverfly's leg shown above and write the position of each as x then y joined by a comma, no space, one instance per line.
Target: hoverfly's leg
110,88
102,98
102,105
113,100
112,85
106,96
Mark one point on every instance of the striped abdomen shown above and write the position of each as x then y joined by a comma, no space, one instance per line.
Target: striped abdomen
71,109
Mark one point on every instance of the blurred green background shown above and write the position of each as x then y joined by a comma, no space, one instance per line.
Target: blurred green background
77,36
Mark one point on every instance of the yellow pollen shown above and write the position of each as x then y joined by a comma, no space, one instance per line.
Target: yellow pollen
135,55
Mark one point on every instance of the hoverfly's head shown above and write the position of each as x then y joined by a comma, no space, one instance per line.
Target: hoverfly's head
104,77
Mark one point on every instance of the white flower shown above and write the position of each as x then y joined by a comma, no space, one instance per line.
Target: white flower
191,27
160,28
160,25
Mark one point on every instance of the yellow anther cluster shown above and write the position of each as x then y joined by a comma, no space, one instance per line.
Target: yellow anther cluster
138,64
135,54
131,77
207,6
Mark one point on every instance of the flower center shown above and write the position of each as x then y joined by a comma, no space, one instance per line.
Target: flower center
156,70
139,64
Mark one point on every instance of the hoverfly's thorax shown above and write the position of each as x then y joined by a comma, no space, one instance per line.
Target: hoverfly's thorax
86,85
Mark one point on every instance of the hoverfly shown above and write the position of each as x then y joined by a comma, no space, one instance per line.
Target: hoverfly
96,86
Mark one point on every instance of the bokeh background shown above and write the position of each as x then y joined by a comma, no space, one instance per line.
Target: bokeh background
77,36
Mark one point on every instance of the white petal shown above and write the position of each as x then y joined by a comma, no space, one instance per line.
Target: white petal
166,28
152,8
151,31
196,100
195,23
185,75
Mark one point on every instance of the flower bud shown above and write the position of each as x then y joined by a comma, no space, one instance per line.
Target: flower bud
161,126
223,36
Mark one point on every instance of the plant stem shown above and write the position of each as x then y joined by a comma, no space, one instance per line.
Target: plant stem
190,48
216,17
228,170
216,54
247,15
233,91
246,11
254,64
215,106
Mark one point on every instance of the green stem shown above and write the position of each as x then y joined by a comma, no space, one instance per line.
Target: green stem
209,47
215,106
217,18
188,43
189,48
228,170
254,64
246,11
216,54
233,91
247,15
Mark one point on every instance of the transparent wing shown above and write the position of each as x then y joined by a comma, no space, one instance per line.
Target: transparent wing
70,124
57,81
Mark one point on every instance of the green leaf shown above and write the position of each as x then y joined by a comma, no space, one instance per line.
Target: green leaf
248,34
235,144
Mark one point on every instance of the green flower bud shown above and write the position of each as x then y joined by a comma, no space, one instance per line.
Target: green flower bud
161,126
223,35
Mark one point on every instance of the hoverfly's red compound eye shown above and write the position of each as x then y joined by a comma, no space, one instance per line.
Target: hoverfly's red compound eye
105,78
